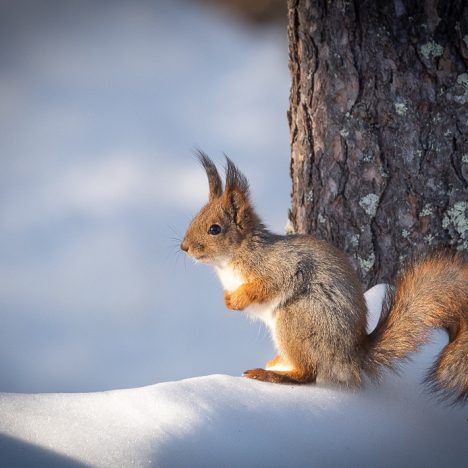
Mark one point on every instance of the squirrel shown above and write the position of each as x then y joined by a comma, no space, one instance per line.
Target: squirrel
309,296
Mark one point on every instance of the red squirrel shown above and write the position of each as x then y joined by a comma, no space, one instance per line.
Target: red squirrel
308,295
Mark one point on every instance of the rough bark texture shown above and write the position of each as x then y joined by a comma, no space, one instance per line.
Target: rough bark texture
379,122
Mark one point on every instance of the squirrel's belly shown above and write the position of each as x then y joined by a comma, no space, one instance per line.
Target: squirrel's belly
266,312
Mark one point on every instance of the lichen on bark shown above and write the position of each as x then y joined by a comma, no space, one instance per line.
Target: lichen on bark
379,122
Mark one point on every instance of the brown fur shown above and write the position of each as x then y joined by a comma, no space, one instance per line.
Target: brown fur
276,360
312,300
253,292
430,293
285,377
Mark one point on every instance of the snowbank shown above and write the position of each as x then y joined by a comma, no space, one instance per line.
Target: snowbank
231,421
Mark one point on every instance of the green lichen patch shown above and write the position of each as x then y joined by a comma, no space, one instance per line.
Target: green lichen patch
344,132
462,82
426,211
465,158
354,240
429,239
456,216
401,108
431,49
369,203
462,79
367,263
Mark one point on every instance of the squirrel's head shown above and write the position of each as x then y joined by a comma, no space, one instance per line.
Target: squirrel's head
225,221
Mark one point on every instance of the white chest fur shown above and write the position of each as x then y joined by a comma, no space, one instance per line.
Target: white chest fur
231,280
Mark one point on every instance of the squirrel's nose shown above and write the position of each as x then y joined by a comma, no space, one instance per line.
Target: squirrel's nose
184,246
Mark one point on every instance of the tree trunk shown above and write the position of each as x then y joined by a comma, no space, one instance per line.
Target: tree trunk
379,123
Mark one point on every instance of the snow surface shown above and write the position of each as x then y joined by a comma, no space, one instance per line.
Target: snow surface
221,420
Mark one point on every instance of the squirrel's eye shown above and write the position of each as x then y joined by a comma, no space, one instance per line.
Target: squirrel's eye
214,230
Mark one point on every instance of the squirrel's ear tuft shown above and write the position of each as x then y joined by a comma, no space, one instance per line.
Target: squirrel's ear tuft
236,195
214,180
235,180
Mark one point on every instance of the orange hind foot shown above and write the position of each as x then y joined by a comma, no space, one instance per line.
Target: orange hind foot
287,377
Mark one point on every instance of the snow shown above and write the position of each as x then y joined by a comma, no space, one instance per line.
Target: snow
221,420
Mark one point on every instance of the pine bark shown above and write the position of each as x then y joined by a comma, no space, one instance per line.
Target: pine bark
379,122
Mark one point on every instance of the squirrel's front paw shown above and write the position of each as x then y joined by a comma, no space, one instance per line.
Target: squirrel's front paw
235,301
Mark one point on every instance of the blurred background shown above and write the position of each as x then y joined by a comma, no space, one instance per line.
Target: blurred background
102,104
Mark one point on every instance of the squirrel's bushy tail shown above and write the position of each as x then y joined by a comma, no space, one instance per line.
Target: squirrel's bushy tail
430,293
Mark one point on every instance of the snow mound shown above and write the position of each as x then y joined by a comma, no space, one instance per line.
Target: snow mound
220,420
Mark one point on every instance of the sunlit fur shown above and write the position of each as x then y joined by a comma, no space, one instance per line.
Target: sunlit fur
305,290
231,209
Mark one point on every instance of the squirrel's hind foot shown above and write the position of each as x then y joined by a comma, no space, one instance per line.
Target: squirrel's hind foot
282,377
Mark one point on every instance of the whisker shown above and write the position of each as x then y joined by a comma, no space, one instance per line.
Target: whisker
177,256
175,245
173,229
